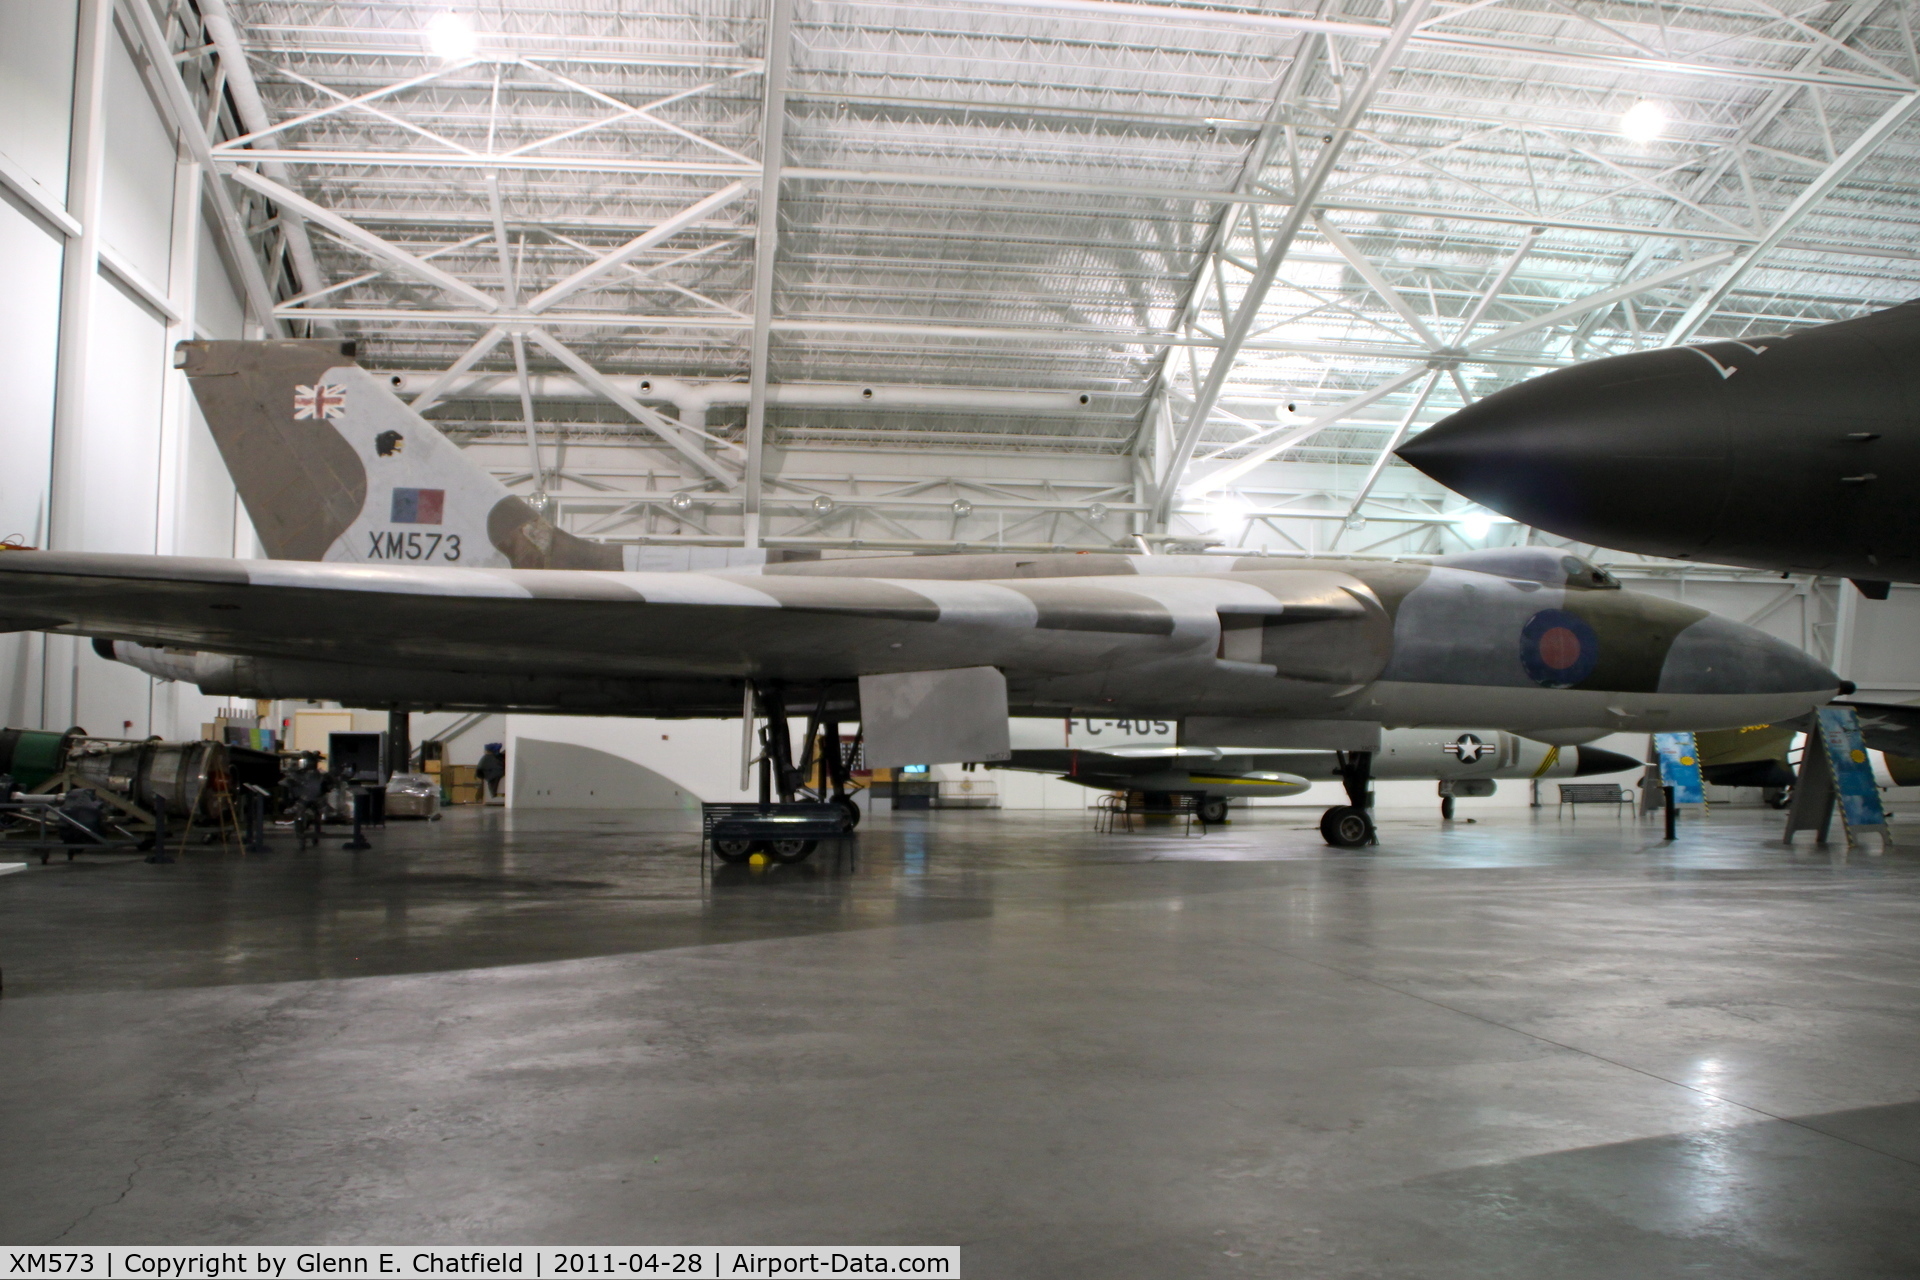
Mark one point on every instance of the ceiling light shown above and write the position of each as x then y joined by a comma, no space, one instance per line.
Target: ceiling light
1644,121
451,37
1229,514
1476,525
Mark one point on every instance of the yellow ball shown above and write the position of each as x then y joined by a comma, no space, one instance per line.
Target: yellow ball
757,860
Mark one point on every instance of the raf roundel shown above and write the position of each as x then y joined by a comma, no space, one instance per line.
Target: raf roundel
1558,649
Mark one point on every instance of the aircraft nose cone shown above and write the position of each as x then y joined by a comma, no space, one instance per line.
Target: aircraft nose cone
1720,656
1591,760
1629,452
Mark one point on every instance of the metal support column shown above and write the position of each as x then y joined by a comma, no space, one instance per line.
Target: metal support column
399,741
79,279
765,248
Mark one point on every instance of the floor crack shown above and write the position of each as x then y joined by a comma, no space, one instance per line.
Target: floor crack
139,1162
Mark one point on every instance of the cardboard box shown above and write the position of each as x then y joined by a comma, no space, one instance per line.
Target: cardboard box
460,775
466,793
430,766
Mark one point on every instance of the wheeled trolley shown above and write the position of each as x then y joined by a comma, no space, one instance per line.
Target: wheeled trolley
785,831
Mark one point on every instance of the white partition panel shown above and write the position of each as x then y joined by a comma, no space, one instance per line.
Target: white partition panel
136,199
217,312
1886,658
205,523
36,90
120,450
29,342
697,758
30,264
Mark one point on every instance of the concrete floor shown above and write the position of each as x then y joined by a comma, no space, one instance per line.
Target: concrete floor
1521,1048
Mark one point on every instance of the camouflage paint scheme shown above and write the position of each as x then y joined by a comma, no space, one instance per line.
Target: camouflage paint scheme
329,460
317,447
1333,641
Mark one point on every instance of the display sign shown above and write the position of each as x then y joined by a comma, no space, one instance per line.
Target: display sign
1852,768
1680,766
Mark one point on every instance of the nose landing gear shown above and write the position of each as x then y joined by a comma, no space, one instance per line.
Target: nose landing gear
1350,825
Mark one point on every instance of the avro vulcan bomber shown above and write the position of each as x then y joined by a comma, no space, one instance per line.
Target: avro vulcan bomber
1247,653
1797,453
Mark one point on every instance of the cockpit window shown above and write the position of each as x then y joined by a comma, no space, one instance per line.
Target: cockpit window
1547,565
1584,573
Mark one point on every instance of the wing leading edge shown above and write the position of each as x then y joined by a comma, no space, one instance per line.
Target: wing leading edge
613,623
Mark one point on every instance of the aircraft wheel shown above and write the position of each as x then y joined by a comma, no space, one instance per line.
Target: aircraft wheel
846,805
736,851
1446,808
1213,810
1346,826
791,850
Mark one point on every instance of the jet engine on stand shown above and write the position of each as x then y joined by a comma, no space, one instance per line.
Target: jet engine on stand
186,780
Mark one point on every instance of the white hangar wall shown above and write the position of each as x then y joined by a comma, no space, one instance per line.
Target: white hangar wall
108,263
566,762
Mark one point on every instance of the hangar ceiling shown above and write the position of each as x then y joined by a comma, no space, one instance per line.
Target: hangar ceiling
1092,269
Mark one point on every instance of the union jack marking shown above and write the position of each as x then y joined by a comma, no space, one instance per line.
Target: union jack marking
323,400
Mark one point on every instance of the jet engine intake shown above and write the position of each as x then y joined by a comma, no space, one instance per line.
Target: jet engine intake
1320,628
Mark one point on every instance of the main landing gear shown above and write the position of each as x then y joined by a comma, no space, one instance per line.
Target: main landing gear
779,773
1350,825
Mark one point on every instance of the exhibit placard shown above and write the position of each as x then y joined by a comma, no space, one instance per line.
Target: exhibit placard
1680,766
1853,781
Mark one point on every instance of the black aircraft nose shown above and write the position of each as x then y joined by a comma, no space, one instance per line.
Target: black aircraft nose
1592,760
1629,452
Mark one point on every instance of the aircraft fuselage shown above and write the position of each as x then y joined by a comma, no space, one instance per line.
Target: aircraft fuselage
1797,453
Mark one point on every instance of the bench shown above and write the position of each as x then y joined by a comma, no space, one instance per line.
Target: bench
1594,793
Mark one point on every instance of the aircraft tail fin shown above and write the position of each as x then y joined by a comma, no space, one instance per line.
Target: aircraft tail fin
332,465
